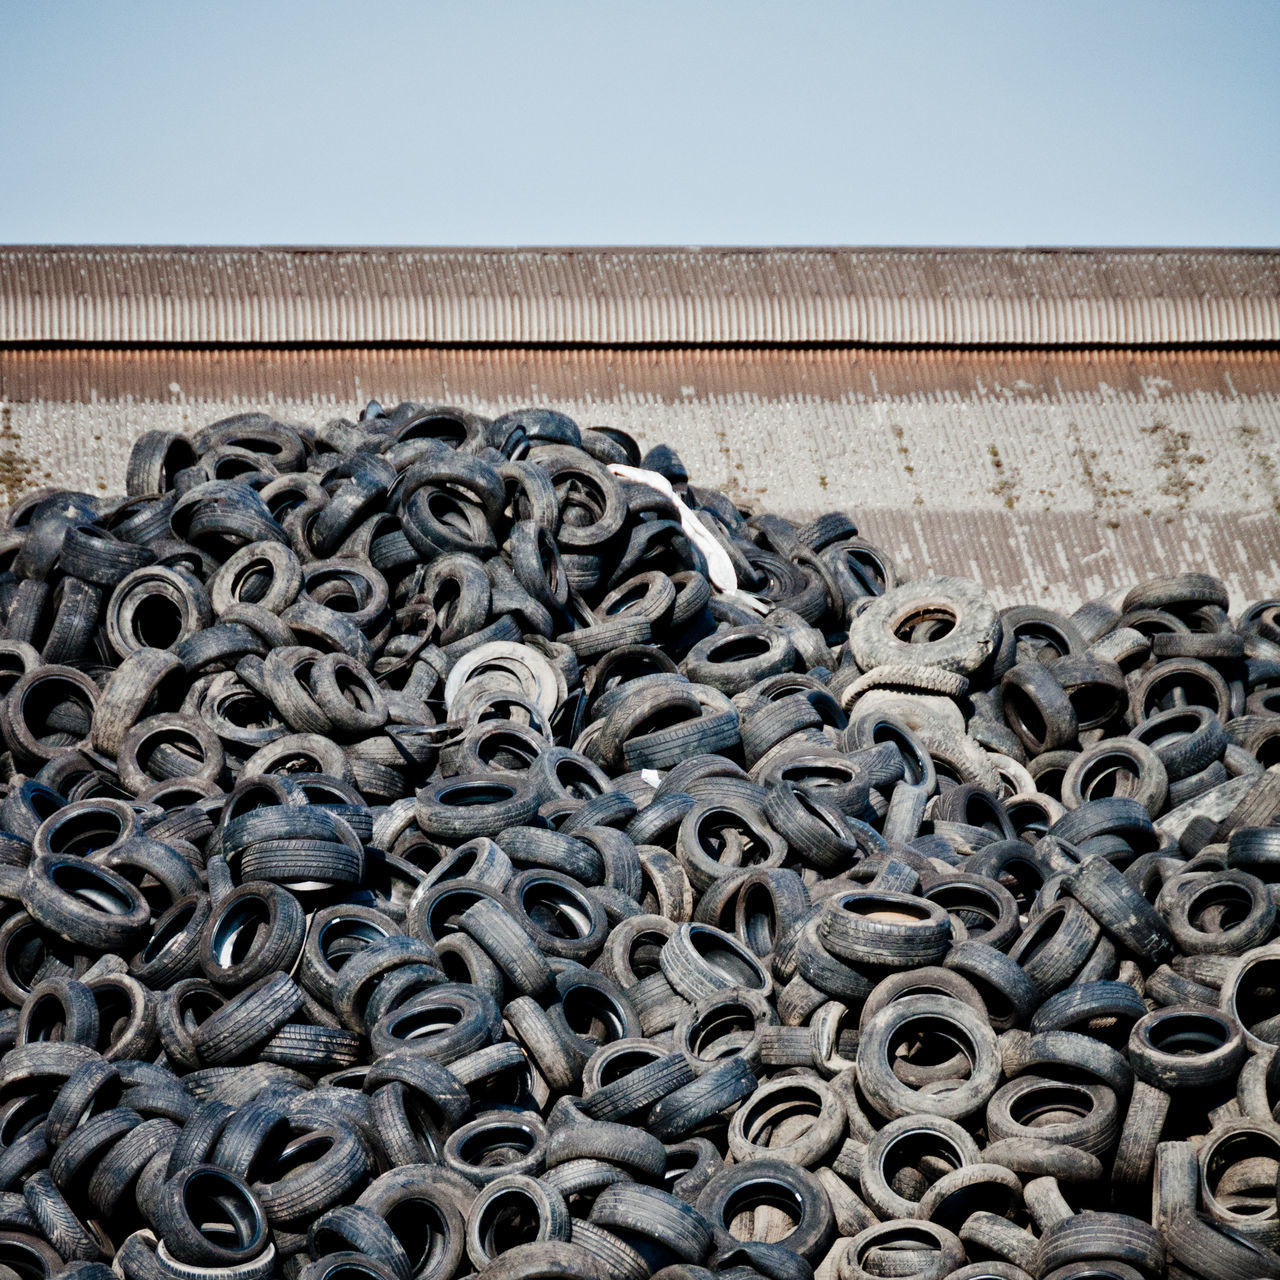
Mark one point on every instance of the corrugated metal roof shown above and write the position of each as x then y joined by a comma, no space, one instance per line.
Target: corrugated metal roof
691,297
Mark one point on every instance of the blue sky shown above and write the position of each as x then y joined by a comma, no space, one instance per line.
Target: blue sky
451,122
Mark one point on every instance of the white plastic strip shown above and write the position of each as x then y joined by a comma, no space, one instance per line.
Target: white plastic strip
719,566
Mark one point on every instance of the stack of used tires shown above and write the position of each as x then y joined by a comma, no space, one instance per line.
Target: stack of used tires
434,846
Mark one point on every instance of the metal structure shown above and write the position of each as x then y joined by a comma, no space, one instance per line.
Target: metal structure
627,297
1054,422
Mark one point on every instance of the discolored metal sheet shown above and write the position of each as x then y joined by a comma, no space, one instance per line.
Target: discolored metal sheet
342,374
1047,297
1053,475
1064,558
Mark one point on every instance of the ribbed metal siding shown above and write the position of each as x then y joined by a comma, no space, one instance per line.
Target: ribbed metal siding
636,296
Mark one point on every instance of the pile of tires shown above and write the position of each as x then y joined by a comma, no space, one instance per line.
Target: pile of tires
435,846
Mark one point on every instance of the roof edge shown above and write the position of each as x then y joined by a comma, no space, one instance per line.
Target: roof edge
940,251
732,295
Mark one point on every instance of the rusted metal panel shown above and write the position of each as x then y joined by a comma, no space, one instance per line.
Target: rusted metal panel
343,375
1052,475
686,297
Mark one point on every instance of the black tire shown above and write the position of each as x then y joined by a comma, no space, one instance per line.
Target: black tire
1037,708
496,1144
699,960
1088,1236
677,1228
1121,910
1084,1114
85,903
1216,1252
510,947
770,1182
481,805
629,1147
684,1109
499,1218
256,929
1186,1047
69,1236
890,1096
347,1227
424,1207
892,930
